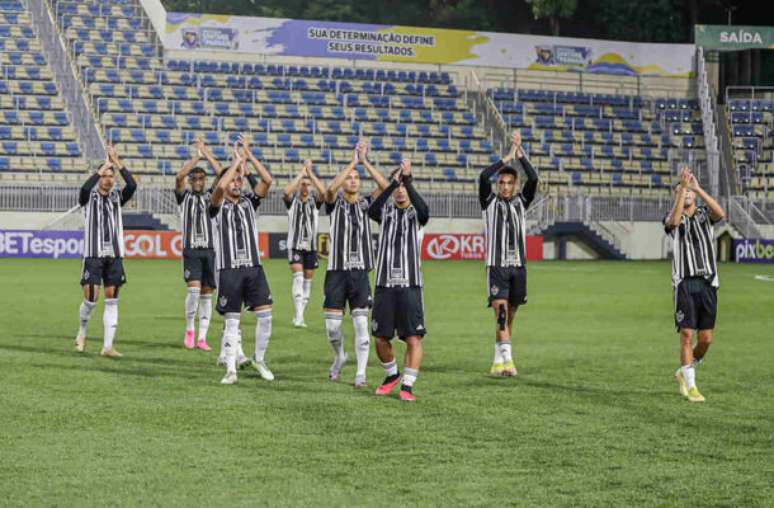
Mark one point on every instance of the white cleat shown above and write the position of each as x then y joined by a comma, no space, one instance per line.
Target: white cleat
263,371
299,323
334,373
80,343
229,379
360,382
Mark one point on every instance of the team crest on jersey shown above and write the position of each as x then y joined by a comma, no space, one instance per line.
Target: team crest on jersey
222,301
494,290
679,316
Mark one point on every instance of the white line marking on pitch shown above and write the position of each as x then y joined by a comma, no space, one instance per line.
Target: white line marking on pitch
765,278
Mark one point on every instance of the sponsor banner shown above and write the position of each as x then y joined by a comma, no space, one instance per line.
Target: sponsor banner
406,44
730,37
458,246
138,244
754,251
41,244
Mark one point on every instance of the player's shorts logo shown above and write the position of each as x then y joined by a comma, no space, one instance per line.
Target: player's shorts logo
187,273
86,274
296,257
374,326
494,290
679,316
420,327
222,301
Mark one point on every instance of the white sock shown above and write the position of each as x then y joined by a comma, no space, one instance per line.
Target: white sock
87,308
297,290
689,373
504,347
205,314
240,351
362,339
391,368
333,329
230,340
262,333
191,302
409,377
498,358
110,321
307,291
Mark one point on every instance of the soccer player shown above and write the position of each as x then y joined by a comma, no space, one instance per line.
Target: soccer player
103,253
694,275
398,302
503,214
198,251
303,210
241,279
350,260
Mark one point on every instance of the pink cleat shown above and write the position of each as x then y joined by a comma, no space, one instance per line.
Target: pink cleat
189,339
407,396
202,344
387,386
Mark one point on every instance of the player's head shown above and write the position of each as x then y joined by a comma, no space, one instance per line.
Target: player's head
507,180
305,186
400,195
235,187
690,196
107,180
197,179
352,182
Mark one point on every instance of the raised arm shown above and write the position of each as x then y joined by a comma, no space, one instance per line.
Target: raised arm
88,185
184,171
220,190
333,188
377,205
362,154
530,186
423,213
716,211
260,188
292,185
318,185
130,185
203,151
673,218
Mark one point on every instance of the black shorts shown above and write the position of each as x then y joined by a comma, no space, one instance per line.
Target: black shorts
307,258
507,283
696,304
342,286
398,310
199,265
239,286
103,272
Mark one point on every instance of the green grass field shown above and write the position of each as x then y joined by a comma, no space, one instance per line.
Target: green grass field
594,417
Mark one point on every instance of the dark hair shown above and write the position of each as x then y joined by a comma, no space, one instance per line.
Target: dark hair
198,170
508,170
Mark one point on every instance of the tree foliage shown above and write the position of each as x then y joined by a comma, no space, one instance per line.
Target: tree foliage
553,10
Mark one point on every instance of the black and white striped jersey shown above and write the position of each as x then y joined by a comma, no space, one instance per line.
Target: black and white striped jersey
235,232
194,221
103,230
693,247
399,252
302,222
350,235
504,221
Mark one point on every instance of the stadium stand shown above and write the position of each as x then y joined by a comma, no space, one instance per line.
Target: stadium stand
153,109
752,129
36,133
601,144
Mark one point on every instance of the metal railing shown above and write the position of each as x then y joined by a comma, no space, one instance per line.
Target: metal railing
707,105
67,82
